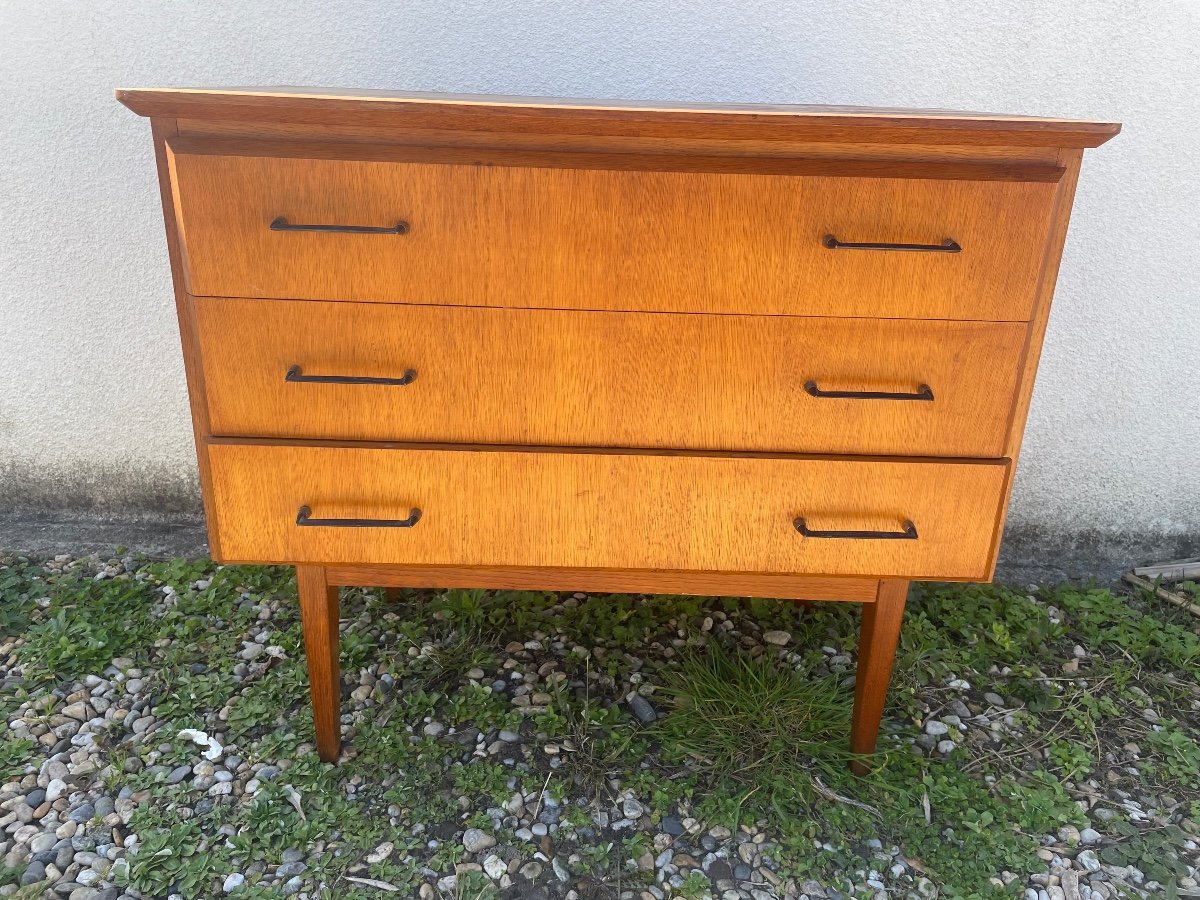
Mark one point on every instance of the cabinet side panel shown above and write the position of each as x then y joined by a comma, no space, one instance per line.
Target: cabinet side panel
1070,161
162,130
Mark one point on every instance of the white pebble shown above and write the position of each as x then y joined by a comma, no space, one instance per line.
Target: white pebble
495,867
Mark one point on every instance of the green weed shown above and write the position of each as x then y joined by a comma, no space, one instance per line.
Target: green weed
15,755
756,721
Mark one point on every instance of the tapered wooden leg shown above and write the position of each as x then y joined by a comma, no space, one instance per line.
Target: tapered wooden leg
319,615
393,595
876,652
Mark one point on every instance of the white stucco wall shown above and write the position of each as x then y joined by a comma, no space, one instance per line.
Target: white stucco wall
92,400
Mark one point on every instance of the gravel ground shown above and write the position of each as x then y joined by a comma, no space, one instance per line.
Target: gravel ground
520,746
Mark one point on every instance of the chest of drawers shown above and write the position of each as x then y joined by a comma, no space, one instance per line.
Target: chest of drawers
440,341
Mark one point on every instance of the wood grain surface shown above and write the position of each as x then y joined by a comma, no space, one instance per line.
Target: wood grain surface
499,507
1071,161
662,119
946,168
161,131
604,239
319,617
488,143
878,635
607,379
612,581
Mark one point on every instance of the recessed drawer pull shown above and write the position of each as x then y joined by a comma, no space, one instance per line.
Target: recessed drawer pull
908,534
924,392
304,517
282,224
946,246
294,373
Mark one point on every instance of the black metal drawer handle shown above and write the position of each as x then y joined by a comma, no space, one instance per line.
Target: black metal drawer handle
946,246
908,534
304,517
282,224
924,392
294,373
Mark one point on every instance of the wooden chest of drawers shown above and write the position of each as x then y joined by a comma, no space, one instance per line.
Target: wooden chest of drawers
568,345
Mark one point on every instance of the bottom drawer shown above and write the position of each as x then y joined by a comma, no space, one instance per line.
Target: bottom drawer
608,509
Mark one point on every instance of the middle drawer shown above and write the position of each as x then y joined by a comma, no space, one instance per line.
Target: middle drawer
607,379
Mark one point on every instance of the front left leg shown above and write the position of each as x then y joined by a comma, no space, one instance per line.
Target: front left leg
877,640
319,616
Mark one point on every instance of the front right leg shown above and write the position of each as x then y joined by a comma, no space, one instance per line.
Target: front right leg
876,652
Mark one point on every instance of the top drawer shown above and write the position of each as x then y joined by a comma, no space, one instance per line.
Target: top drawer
303,228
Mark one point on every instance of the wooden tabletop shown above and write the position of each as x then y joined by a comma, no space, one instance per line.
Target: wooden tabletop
554,115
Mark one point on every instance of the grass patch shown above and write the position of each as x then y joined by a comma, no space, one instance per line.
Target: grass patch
15,755
1152,642
766,742
21,585
757,722
765,738
86,625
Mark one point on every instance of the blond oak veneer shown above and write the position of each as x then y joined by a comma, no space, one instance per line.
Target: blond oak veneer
583,238
398,113
650,581
596,328
489,507
606,379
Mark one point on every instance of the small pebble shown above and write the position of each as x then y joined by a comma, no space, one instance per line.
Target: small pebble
672,826
83,813
642,709
178,774
495,867
475,840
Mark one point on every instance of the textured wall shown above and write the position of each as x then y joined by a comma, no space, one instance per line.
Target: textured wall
92,404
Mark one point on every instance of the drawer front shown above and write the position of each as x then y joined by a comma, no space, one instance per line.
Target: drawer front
636,511
605,239
607,379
